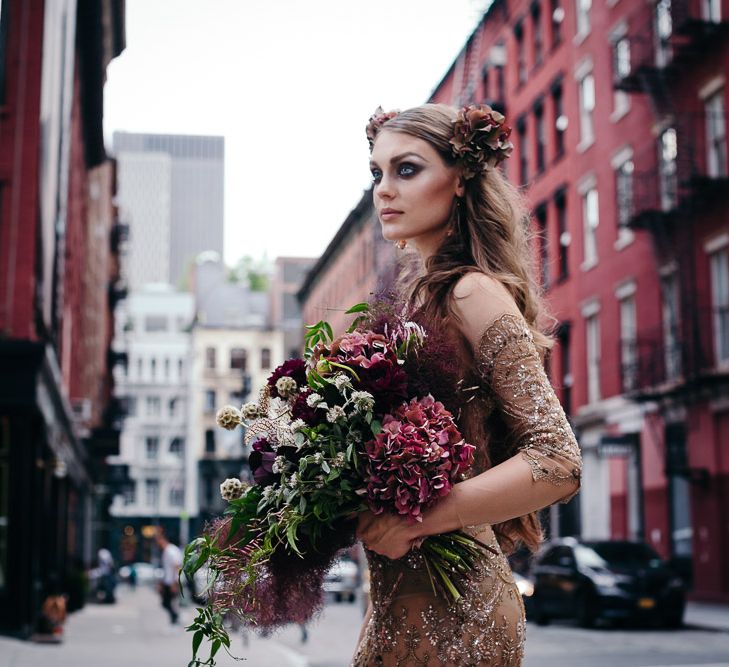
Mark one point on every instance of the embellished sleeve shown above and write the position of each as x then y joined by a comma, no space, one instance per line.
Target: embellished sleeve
510,364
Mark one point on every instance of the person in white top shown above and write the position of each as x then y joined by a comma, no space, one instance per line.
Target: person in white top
171,564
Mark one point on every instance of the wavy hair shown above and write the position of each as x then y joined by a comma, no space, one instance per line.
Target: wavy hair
490,234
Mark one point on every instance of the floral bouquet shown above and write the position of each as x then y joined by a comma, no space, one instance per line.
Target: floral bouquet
332,435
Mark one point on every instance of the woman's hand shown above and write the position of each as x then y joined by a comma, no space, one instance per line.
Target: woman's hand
388,534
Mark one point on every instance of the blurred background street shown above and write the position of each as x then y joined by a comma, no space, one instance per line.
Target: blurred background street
135,632
184,186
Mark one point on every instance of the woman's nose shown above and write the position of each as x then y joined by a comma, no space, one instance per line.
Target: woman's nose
385,188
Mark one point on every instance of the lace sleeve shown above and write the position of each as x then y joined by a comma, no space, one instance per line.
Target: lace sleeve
510,364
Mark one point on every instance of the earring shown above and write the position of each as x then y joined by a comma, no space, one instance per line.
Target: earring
402,243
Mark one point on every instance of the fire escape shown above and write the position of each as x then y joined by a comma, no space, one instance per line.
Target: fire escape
678,175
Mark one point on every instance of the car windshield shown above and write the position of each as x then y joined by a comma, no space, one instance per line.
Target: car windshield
617,554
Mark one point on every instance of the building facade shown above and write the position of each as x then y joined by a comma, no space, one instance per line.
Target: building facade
58,283
154,461
288,277
171,190
234,350
619,129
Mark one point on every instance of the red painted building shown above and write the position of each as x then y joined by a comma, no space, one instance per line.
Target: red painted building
59,242
619,126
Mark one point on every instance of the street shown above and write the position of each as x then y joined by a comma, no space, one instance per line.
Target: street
135,631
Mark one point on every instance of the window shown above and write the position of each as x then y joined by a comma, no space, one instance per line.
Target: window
152,492
711,11
3,61
523,150
265,358
557,19
172,406
593,359
152,447
153,323
541,217
590,217
716,162
667,153
537,33
210,400
671,324
177,495
719,262
560,120
628,352
130,492
238,359
583,17
500,79
621,69
520,53
139,367
210,441
180,368
663,29
153,406
540,138
560,203
563,337
153,368
624,192
130,406
167,368
587,106
177,447
209,357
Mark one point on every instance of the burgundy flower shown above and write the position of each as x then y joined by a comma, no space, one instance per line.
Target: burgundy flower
302,410
261,462
415,459
293,368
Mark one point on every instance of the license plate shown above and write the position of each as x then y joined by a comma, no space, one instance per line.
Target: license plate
646,603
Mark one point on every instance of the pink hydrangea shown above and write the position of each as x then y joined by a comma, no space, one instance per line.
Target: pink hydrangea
415,459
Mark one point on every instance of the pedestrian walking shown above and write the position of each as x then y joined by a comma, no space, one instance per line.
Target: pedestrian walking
171,563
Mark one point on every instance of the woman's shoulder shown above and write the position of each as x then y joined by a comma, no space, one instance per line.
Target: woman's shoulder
479,301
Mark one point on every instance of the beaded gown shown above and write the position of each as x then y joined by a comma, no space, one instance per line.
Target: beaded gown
409,625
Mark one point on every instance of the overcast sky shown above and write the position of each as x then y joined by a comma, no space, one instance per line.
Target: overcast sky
290,85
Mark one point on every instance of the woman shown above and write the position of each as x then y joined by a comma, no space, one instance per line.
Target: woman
438,191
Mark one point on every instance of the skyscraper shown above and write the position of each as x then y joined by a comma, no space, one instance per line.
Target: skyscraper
171,195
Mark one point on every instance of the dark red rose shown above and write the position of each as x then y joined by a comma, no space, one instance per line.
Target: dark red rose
293,368
301,410
261,462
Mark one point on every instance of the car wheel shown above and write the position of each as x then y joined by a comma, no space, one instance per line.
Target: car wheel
586,615
673,619
337,597
352,598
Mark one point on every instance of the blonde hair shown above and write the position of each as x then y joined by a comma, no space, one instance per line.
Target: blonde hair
490,233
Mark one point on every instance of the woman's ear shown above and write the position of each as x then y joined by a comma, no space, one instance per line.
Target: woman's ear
461,187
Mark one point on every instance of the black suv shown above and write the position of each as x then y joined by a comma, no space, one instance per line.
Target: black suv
611,580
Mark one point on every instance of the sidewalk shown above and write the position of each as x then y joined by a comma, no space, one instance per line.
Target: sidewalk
136,631
707,616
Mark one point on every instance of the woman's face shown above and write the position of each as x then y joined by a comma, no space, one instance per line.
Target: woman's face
414,190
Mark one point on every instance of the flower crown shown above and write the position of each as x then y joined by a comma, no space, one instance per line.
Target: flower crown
480,137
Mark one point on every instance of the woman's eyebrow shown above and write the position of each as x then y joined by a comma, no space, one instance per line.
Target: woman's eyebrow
397,158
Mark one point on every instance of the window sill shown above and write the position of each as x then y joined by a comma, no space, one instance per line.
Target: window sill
580,37
619,113
584,145
586,266
624,239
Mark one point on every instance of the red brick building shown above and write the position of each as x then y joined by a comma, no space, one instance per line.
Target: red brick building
619,126
59,242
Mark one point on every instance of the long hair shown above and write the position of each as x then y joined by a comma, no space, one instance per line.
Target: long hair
490,233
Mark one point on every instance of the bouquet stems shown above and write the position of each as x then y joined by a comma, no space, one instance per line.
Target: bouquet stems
449,558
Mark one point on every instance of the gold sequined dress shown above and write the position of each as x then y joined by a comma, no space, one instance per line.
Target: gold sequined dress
409,625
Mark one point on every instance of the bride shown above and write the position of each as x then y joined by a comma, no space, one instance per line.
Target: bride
438,190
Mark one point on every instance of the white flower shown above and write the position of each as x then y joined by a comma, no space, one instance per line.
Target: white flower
294,480
334,413
338,461
286,386
250,411
279,464
341,381
318,457
312,400
231,489
363,401
228,417
297,425
268,492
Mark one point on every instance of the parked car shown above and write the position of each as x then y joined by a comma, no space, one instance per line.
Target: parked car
610,580
342,580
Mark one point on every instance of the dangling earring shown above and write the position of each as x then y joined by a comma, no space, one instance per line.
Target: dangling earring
402,243
457,218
